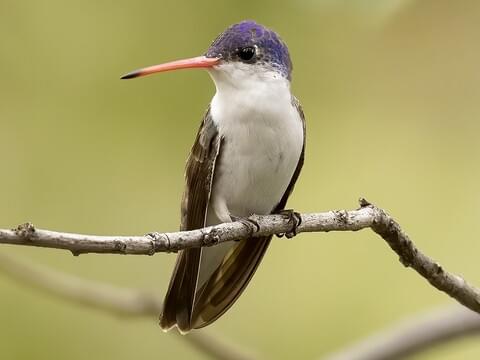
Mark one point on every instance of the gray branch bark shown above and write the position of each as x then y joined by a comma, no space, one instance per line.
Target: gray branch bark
368,216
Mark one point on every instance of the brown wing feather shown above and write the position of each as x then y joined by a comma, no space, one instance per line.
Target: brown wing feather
296,174
178,302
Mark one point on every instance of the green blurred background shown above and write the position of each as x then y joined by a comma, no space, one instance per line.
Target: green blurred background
391,92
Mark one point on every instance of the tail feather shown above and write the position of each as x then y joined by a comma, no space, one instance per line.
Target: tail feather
228,282
189,307
177,307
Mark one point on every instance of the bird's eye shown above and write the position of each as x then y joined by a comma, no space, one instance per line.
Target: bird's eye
246,53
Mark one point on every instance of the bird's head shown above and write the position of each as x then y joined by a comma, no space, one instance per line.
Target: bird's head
245,51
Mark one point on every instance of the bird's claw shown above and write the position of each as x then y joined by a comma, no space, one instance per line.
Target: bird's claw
295,218
252,225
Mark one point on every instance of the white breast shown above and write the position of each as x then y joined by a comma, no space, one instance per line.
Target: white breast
262,140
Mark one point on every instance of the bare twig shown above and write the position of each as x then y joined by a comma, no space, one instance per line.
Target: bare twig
414,335
116,300
368,216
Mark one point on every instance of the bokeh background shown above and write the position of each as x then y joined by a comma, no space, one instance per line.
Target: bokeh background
391,92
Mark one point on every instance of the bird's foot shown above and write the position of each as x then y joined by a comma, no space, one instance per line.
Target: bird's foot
293,217
252,225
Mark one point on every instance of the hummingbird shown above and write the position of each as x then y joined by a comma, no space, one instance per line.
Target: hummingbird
247,156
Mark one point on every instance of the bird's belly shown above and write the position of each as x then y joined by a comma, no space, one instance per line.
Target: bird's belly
254,169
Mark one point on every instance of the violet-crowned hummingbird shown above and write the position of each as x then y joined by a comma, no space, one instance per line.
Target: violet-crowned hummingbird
246,158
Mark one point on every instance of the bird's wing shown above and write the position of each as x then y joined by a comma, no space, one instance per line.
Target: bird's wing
199,177
296,174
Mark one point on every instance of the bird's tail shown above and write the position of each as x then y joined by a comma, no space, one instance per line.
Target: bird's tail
207,281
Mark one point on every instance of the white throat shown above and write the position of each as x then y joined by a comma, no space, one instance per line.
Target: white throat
249,80
249,94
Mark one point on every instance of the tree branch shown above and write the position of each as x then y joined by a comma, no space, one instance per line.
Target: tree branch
368,216
27,234
116,300
414,335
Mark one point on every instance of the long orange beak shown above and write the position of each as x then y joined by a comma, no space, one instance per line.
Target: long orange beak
196,62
